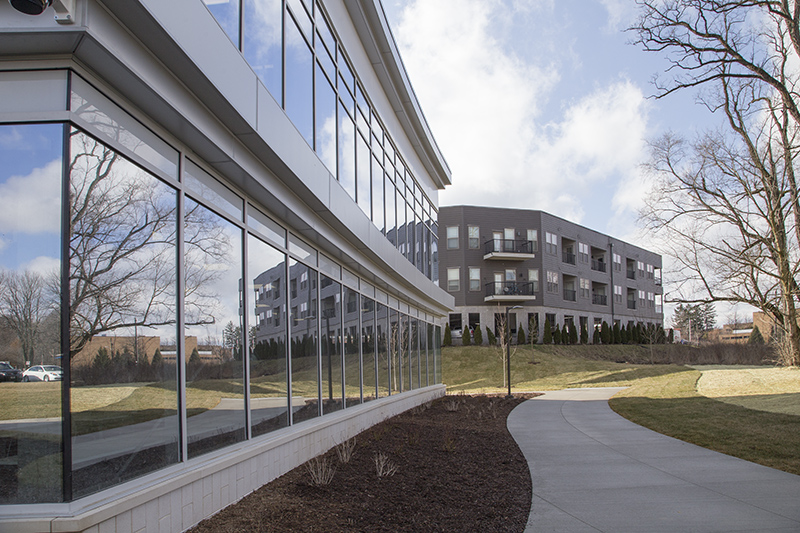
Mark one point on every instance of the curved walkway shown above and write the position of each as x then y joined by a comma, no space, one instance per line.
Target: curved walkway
593,470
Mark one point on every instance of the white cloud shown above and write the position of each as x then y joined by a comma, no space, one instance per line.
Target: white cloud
43,265
621,14
32,204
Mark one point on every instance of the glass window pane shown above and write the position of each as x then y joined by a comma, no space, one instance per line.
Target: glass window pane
303,299
391,220
347,152
324,31
332,341
266,226
368,348
395,348
31,169
122,270
325,121
413,354
301,16
204,186
33,91
262,43
364,194
382,342
377,195
227,14
214,339
346,74
303,251
105,118
269,393
299,98
352,358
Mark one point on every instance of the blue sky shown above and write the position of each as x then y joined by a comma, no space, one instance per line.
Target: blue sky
540,104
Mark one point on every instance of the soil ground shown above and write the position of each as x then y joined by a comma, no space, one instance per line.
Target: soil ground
457,469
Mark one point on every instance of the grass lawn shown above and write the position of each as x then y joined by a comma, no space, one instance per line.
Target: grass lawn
733,413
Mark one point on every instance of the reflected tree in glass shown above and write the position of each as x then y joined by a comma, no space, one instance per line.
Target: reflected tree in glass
303,295
369,348
352,346
382,341
122,294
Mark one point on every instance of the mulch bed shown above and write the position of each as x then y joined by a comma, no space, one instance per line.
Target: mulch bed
458,469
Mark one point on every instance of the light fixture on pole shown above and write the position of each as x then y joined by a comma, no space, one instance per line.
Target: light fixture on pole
507,340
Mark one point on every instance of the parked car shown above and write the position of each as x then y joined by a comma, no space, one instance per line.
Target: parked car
9,373
43,373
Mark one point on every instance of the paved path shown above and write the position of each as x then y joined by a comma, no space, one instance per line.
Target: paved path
593,470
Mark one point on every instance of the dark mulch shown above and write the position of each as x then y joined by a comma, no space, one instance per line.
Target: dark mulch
458,469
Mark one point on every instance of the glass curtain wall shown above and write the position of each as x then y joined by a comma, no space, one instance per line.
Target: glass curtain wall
395,349
369,349
413,354
352,347
383,343
293,50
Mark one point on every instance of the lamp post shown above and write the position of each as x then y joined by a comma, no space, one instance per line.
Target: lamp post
507,333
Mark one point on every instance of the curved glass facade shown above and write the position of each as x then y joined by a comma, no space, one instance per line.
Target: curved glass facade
186,317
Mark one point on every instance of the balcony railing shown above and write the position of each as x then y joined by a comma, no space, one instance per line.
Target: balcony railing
600,266
569,295
509,288
568,258
631,304
631,274
511,246
599,299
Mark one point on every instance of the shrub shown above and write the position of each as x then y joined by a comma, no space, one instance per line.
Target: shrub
671,336
383,466
533,331
345,450
478,336
584,335
465,338
557,335
321,471
548,332
565,339
605,333
573,333
755,336
520,335
194,359
490,336
447,340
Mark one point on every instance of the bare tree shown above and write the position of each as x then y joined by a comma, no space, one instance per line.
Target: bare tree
727,203
25,303
504,345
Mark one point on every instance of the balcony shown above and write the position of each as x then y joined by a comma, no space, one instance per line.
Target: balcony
509,250
569,295
599,266
631,274
599,299
568,257
509,291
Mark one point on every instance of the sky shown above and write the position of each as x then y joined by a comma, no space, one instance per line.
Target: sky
542,104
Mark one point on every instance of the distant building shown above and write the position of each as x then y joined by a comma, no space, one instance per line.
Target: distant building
553,269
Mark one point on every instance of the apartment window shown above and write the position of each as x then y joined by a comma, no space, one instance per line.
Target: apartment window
659,306
474,279
453,279
293,284
452,237
618,294
640,266
641,299
455,322
552,281
651,300
533,277
617,262
473,232
551,318
650,272
474,321
551,241
303,281
583,252
533,238
586,288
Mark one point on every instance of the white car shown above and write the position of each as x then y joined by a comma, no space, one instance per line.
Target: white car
43,373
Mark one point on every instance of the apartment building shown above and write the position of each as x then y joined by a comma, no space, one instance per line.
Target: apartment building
246,191
546,268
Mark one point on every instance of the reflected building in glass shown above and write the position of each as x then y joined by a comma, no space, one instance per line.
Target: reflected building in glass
218,218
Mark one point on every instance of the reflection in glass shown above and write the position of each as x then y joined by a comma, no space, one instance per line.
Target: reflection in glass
413,354
299,97
30,248
369,348
396,347
262,43
404,351
391,222
362,181
268,228
347,152
437,355
202,185
213,336
268,352
122,275
427,368
303,296
227,14
352,358
382,341
377,195
325,122
332,344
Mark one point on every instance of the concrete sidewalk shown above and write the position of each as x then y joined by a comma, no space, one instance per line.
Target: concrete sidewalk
593,470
